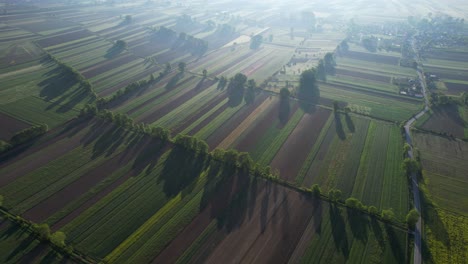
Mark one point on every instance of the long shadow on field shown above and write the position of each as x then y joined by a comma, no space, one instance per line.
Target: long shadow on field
174,80
358,223
317,216
350,123
12,229
236,211
432,219
56,84
181,168
378,233
339,127
397,249
22,247
63,89
149,155
339,230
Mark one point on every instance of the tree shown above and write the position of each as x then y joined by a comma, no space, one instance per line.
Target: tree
128,19
388,215
308,90
344,46
42,230
120,44
411,166
58,238
205,73
334,195
256,41
412,218
222,82
316,191
320,71
329,63
336,106
167,67
249,96
236,89
372,210
181,66
354,203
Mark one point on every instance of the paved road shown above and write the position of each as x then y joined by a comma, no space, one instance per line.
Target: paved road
417,202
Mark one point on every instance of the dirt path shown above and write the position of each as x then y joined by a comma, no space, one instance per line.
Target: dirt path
414,180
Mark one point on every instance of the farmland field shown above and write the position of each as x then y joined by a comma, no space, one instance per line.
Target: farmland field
445,186
213,132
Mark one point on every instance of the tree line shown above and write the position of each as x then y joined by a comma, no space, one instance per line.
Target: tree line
85,84
23,136
182,40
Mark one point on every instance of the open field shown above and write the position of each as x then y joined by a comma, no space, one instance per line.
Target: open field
445,200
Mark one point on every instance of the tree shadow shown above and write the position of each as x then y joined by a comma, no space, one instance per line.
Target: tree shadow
236,211
309,100
109,141
317,203
339,230
113,52
397,250
358,223
182,166
339,127
349,123
174,80
12,229
284,111
22,246
378,233
148,156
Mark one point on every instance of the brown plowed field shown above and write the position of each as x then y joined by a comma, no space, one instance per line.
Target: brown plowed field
223,197
294,151
55,40
251,138
271,233
10,126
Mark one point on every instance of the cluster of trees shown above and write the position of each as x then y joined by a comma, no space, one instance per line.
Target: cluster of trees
236,89
256,41
125,121
182,41
194,45
326,66
120,45
343,47
222,82
439,99
308,90
103,103
23,136
85,84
